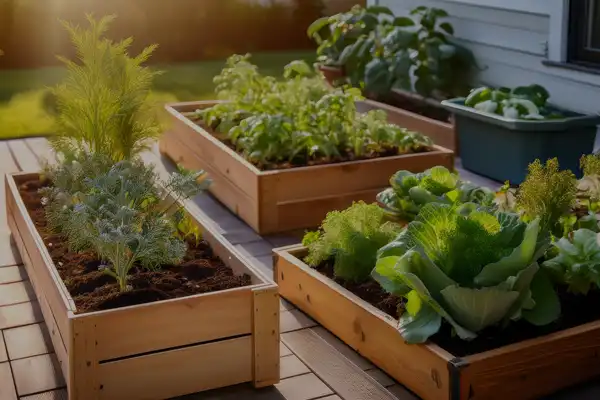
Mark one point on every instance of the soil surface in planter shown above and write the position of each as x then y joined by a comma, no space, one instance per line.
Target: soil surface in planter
304,161
576,310
414,105
92,290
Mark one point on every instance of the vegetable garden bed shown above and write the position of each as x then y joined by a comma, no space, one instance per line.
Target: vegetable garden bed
157,341
522,370
283,199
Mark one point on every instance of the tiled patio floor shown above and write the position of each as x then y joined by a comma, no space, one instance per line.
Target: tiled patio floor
327,370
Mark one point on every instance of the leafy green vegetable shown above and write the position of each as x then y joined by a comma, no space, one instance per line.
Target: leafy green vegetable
577,264
299,120
548,194
103,104
523,102
411,191
472,267
351,238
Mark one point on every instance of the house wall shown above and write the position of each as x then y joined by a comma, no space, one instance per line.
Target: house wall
512,39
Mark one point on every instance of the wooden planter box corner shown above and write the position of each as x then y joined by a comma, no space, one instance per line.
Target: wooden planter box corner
524,370
156,350
286,199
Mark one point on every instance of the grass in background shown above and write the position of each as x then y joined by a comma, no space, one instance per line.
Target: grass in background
22,91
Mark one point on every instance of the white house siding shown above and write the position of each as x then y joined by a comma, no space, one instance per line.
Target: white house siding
511,38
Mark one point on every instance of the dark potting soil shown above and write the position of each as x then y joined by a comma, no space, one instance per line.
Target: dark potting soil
305,161
576,310
414,105
201,271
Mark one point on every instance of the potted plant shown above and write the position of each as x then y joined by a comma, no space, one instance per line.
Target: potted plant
522,123
284,153
411,64
469,299
336,35
143,300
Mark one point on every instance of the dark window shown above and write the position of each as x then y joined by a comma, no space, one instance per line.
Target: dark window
584,32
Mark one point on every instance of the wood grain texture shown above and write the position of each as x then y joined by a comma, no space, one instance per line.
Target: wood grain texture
534,368
154,326
24,157
198,368
265,335
423,368
287,199
345,378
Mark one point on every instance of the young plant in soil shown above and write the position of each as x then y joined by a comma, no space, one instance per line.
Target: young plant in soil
122,215
299,121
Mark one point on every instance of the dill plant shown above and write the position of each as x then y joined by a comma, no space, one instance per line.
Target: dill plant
102,106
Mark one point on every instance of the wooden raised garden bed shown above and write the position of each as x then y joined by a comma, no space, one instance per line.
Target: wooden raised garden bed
524,370
160,349
286,199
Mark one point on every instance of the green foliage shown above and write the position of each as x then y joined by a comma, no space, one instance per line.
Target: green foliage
117,211
577,263
523,102
299,120
103,104
590,164
469,266
393,50
351,239
411,191
548,194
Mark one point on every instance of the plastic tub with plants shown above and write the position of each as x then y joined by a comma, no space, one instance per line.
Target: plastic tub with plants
143,299
518,122
284,153
474,295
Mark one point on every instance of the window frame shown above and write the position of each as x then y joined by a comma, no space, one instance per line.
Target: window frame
577,53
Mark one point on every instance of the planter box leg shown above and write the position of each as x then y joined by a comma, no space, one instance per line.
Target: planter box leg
265,327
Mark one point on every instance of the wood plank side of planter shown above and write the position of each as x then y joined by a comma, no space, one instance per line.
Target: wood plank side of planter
442,133
198,368
104,354
288,199
533,368
422,368
54,299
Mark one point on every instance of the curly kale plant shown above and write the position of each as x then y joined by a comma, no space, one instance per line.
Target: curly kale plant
577,264
102,107
471,267
298,120
350,238
120,213
411,191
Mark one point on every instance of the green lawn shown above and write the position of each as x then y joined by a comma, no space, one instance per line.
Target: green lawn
22,91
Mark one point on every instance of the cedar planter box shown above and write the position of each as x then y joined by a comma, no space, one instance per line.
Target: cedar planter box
155,350
287,199
524,370
332,74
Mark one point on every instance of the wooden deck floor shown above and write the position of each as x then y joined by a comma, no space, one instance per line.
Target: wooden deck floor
314,363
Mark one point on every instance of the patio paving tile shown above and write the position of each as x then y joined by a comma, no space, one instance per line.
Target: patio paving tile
37,374
27,341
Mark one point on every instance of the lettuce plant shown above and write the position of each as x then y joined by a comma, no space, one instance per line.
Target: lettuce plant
351,239
577,263
411,191
523,102
471,267
299,119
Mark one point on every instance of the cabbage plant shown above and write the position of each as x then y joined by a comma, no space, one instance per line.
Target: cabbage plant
411,191
470,266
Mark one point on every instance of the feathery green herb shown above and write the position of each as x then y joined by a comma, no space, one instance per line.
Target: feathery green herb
102,107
